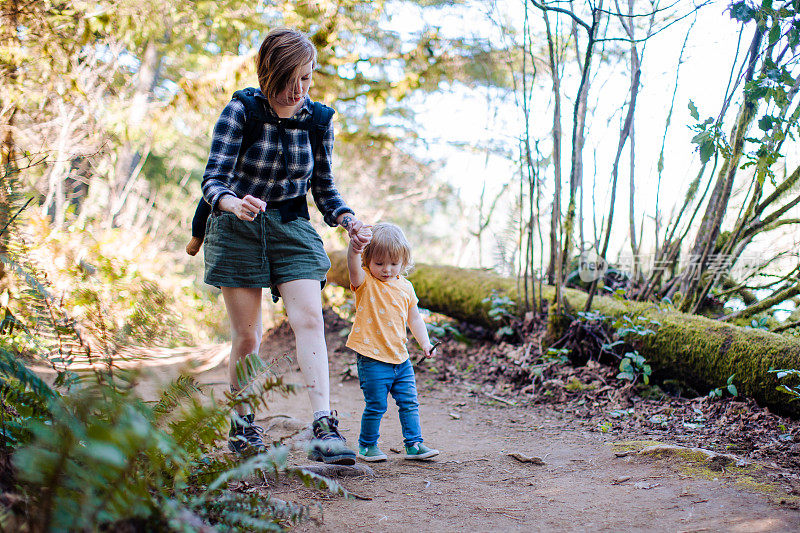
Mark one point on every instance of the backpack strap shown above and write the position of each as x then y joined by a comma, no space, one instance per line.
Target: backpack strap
255,117
321,116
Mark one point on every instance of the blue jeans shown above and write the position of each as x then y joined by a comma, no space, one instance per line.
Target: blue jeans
378,379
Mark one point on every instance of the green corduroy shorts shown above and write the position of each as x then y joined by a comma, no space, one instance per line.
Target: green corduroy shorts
263,253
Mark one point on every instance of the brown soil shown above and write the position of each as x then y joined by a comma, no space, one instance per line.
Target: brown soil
592,478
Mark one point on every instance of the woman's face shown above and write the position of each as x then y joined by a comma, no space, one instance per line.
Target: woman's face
296,90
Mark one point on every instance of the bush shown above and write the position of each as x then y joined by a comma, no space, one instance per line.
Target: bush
87,453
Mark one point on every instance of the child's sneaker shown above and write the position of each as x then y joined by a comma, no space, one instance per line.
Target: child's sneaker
194,245
245,438
370,453
420,451
328,445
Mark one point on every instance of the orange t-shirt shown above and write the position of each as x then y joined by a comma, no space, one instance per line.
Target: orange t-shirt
379,328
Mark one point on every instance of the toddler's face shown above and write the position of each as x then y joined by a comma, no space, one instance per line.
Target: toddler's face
384,268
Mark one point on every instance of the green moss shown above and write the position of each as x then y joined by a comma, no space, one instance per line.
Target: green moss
574,384
697,471
686,454
696,465
633,445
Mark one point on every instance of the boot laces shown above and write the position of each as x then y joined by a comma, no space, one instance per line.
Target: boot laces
327,427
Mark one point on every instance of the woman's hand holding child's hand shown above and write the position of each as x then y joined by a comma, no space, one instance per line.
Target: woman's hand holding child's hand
361,239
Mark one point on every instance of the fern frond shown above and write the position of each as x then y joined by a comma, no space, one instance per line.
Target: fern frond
246,522
199,425
229,507
53,332
11,367
183,387
316,481
273,459
20,402
249,368
275,507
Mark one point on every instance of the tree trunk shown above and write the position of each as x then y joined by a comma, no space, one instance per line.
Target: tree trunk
8,157
697,350
555,216
718,203
129,155
576,169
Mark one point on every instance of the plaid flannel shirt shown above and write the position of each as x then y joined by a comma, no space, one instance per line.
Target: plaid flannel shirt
260,172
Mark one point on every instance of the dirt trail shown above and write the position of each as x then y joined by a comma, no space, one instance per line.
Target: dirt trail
475,485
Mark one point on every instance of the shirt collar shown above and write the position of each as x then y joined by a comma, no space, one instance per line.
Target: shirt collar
306,105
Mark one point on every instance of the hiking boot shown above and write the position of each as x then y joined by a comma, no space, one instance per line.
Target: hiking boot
194,245
245,438
328,445
419,451
370,453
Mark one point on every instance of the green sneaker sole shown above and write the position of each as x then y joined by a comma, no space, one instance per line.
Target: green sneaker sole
422,456
372,458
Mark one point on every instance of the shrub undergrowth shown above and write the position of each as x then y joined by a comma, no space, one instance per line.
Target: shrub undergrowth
85,451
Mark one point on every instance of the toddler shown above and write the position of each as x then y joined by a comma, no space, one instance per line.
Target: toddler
385,305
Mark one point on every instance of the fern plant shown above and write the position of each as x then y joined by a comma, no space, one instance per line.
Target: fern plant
104,456
88,453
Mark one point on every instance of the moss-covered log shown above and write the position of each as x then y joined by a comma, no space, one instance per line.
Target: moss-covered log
697,350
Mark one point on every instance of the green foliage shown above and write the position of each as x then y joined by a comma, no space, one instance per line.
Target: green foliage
742,11
89,454
773,89
102,456
443,329
792,390
632,365
184,387
605,426
729,387
641,326
114,293
25,399
558,356
709,137
760,323
502,310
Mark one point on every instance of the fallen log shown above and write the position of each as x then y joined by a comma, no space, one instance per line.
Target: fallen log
699,351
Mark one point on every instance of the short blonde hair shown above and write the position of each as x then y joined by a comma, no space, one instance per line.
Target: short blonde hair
388,242
280,57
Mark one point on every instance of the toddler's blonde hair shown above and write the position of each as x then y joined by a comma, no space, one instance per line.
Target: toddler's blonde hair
388,242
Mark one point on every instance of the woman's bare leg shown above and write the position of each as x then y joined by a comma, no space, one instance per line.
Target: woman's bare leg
303,303
244,313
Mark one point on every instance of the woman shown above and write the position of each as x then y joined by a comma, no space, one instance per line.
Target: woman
259,235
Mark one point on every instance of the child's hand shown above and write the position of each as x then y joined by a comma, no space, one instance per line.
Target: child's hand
429,349
361,239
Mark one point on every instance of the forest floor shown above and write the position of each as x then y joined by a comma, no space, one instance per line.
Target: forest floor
576,438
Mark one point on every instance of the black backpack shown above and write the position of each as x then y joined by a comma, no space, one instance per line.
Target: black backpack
256,116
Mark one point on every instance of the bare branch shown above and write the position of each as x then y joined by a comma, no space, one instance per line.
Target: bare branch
766,303
567,12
